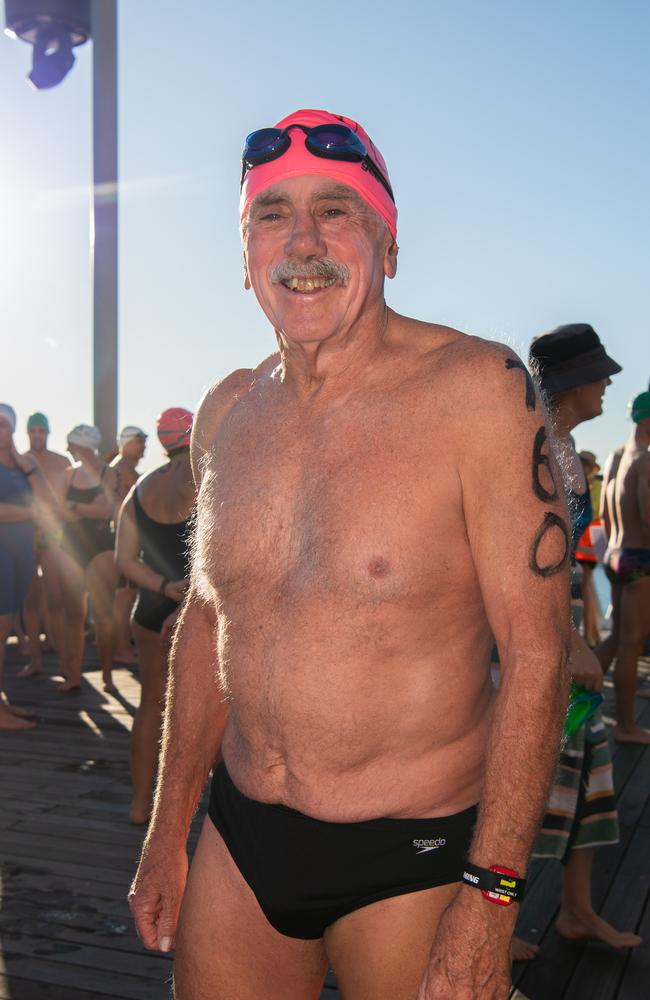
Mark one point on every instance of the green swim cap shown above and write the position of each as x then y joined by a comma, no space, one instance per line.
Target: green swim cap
641,407
38,420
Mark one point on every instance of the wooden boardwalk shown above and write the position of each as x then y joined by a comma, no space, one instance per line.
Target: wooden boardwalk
68,854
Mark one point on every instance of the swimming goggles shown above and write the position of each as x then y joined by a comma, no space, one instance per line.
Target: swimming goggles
332,142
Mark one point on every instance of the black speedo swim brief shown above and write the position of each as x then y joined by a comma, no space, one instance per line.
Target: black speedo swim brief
306,873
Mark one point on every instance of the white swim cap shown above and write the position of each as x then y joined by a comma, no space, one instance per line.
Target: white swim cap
86,436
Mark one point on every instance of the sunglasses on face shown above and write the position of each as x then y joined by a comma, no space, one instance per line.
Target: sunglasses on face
331,142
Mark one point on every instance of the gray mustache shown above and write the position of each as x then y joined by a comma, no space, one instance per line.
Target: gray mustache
321,268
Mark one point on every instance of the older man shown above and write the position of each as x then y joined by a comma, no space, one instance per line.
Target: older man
351,565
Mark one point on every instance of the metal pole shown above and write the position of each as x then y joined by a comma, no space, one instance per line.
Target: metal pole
104,219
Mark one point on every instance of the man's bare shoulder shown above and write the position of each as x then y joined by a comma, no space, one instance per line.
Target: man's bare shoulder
469,368
219,400
53,458
62,461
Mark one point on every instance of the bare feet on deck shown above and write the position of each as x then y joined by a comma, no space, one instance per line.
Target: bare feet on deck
21,713
30,670
12,719
69,686
635,734
522,951
591,927
109,686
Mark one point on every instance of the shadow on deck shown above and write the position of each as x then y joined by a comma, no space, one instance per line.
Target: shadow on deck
68,854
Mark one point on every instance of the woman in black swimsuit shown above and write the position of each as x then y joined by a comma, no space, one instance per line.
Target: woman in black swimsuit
87,556
152,550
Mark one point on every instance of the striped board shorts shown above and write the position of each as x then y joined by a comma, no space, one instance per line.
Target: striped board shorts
581,811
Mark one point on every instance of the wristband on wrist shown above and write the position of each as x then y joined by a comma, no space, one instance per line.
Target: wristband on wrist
499,885
163,584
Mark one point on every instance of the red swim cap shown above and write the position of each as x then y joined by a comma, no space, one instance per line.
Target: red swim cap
174,427
298,161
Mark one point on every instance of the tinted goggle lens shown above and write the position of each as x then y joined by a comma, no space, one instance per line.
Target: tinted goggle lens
264,145
336,139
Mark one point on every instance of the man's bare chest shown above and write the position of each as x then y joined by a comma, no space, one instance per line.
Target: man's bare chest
367,506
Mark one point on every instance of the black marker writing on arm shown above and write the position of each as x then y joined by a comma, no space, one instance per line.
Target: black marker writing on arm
531,401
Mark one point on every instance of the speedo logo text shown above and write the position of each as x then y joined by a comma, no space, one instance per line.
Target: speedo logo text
429,845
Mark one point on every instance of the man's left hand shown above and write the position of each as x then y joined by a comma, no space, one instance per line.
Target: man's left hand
470,956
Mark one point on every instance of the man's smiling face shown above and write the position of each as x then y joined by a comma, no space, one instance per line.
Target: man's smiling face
316,256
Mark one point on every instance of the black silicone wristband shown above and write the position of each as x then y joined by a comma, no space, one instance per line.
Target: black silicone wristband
489,881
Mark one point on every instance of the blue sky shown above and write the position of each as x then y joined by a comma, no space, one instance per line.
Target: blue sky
516,138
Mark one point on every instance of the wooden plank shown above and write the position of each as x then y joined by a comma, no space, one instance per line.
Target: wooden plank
99,929
101,880
27,772
122,987
147,964
65,904
45,848
75,829
90,871
27,989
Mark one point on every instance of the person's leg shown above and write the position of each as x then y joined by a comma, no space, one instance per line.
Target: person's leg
147,725
74,605
10,718
591,630
53,588
122,607
19,632
634,626
577,918
382,950
31,618
226,948
101,578
606,650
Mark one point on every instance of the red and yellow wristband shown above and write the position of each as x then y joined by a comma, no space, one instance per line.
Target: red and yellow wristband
499,885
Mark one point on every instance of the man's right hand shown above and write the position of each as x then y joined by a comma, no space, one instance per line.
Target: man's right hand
156,895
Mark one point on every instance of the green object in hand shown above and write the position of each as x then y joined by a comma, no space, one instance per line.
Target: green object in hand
582,705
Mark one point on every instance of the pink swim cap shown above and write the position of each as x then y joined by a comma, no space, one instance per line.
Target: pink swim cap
174,427
298,161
